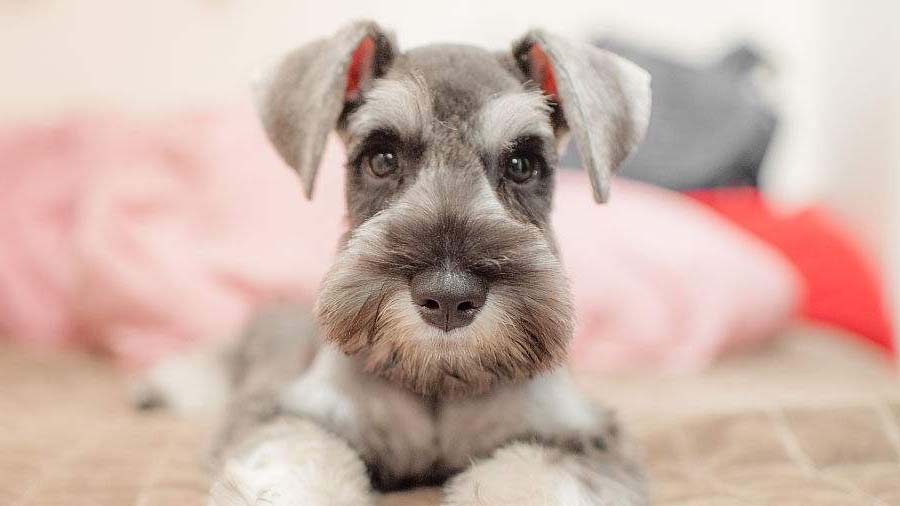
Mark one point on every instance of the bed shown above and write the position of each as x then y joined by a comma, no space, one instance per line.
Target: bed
812,419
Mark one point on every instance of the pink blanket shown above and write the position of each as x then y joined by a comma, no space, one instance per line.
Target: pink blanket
140,239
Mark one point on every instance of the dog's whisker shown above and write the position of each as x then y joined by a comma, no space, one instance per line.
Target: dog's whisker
370,337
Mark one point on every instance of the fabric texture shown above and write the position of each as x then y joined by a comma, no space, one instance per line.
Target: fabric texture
141,239
661,283
774,428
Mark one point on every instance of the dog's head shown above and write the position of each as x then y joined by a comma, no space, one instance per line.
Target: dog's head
449,280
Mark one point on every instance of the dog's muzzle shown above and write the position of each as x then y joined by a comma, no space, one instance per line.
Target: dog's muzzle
446,293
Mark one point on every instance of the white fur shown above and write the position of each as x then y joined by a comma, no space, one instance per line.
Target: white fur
558,394
520,474
403,106
297,464
546,406
510,116
377,418
528,474
194,383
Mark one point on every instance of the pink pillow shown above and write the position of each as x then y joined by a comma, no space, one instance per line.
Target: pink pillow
661,281
141,239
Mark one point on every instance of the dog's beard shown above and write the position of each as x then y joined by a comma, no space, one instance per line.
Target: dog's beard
366,309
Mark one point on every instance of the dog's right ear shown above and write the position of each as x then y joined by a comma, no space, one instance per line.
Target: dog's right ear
301,100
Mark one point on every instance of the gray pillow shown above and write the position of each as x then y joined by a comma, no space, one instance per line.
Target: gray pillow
709,126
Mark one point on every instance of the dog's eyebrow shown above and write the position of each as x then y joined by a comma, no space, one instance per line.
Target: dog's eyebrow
510,116
402,106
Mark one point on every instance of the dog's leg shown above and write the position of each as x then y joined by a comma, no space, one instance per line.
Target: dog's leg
263,455
273,350
277,343
526,474
290,462
192,383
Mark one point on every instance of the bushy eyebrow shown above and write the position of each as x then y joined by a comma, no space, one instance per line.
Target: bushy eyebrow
508,117
402,106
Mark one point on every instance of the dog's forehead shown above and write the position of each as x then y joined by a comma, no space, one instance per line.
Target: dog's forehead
461,78
454,94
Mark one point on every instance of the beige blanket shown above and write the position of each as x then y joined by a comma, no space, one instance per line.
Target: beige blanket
809,421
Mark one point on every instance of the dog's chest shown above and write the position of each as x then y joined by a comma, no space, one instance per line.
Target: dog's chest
405,440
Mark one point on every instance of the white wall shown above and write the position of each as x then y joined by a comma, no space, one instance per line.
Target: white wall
836,62
138,55
858,138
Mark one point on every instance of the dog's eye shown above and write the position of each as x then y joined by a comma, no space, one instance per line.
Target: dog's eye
382,164
520,167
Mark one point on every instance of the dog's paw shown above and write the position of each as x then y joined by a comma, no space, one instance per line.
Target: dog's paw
241,486
290,464
520,474
193,384
237,487
531,475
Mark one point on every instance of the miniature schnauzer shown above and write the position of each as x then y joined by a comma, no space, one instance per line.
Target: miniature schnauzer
437,354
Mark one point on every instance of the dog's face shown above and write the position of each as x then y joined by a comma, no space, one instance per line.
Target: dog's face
449,281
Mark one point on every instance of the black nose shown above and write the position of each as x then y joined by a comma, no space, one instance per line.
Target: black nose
448,299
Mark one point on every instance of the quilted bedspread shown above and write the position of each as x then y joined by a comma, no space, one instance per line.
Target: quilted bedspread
809,421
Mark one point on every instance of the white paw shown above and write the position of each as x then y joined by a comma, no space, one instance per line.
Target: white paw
192,384
298,464
519,474
240,486
531,475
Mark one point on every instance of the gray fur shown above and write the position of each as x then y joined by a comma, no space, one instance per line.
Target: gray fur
509,116
301,100
417,404
400,105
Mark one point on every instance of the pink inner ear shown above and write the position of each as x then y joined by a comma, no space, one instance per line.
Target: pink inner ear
542,71
360,67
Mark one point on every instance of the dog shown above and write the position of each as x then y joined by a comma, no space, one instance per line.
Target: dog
437,351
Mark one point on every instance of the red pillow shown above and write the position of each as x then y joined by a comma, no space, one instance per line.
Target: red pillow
842,283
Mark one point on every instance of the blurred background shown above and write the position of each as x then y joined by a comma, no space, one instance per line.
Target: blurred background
801,99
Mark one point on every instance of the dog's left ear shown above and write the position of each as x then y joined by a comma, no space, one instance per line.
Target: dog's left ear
303,98
605,99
